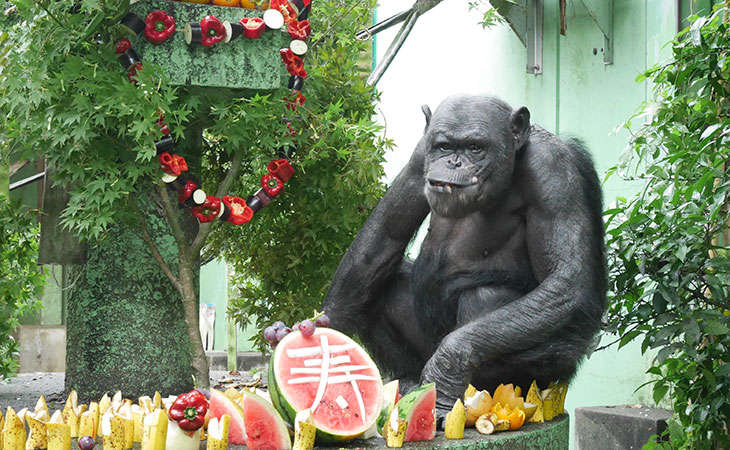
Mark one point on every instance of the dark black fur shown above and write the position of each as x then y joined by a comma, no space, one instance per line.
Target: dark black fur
510,283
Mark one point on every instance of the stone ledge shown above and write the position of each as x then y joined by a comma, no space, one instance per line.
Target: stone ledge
621,427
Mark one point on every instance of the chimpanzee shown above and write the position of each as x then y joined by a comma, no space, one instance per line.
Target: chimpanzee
510,282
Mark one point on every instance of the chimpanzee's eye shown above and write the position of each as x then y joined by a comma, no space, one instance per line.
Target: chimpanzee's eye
445,147
475,148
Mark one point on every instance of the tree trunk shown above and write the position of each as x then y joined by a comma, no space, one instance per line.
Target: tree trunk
126,327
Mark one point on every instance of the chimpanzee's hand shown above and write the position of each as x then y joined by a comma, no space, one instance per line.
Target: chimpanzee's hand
451,369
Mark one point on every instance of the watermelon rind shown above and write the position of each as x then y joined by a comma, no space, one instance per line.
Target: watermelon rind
271,424
411,402
390,396
288,412
221,404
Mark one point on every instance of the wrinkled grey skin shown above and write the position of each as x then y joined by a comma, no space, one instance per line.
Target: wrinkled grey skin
510,282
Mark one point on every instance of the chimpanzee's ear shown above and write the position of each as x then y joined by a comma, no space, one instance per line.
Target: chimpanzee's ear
426,112
519,123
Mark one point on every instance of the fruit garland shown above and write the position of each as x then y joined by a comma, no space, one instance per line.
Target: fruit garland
157,27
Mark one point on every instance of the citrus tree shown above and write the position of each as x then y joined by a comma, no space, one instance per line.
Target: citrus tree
65,94
669,260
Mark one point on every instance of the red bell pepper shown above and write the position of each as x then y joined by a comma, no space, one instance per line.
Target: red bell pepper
123,45
213,30
208,211
240,211
253,27
189,410
295,100
299,29
186,192
294,64
296,68
163,125
286,8
281,168
159,26
272,184
172,164
287,56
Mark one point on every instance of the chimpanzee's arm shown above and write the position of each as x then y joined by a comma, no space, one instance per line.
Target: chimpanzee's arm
378,248
565,244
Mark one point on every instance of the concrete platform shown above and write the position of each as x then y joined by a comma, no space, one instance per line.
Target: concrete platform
622,427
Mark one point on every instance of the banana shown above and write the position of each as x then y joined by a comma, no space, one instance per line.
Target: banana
157,400
502,425
533,396
304,430
112,430
104,405
455,421
87,425
137,416
218,433
42,406
395,429
145,402
125,412
59,434
13,432
485,423
154,430
38,437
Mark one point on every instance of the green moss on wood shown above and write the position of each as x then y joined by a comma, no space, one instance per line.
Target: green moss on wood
125,326
240,64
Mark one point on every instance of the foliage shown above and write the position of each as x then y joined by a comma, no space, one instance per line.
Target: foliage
21,281
285,259
63,91
490,16
669,260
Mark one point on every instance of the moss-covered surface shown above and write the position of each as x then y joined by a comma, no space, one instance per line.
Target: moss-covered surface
125,327
241,63
551,435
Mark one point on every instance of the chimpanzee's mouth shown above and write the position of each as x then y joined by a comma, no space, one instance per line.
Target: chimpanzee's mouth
441,186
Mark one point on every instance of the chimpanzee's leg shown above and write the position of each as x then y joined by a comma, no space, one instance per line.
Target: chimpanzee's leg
394,338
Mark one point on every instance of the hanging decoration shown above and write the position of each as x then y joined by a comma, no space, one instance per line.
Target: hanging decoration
158,27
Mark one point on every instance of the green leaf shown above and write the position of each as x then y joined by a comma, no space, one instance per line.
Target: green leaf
715,328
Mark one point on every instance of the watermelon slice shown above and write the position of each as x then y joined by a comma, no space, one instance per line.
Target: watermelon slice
221,404
390,398
330,374
418,407
264,427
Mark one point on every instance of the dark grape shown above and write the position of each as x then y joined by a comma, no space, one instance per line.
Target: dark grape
205,392
272,344
86,443
270,333
307,328
279,325
295,327
282,332
323,321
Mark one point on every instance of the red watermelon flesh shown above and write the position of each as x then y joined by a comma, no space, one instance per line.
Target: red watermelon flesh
219,405
264,426
418,407
331,374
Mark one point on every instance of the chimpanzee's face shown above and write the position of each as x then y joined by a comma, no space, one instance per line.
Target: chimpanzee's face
470,156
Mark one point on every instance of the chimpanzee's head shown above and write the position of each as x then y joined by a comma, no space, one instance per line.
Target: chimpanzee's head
471,143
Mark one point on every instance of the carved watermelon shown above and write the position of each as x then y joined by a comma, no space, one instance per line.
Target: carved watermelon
418,407
265,429
219,405
331,374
